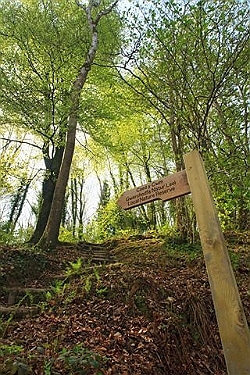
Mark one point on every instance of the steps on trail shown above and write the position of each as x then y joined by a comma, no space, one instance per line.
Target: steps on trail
95,253
18,300
100,259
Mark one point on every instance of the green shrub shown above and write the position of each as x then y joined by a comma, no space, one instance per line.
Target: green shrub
10,349
74,268
17,236
80,361
111,221
66,235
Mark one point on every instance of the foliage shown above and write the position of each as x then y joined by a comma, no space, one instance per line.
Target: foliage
5,237
235,259
177,249
10,349
167,230
102,291
88,284
66,235
74,268
58,288
81,360
112,221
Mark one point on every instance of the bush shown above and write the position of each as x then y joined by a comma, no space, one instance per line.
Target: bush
20,235
111,221
77,360
66,235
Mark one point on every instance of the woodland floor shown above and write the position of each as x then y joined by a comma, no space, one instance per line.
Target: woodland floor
139,306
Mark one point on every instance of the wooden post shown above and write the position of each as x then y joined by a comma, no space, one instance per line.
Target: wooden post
230,315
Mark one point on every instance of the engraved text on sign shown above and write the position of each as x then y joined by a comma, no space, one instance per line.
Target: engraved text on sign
166,188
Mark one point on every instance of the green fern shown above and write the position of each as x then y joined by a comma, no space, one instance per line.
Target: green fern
74,268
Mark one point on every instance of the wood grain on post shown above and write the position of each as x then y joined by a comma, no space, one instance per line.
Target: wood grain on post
230,315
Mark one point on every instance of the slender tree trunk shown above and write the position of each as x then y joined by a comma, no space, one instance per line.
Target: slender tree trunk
243,215
115,186
151,206
64,210
17,206
141,208
182,222
25,192
82,204
163,151
162,213
73,204
14,206
49,238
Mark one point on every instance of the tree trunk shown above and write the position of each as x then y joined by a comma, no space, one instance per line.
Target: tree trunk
115,186
181,212
14,207
151,206
52,170
73,204
17,205
243,215
141,208
25,192
82,204
51,232
64,211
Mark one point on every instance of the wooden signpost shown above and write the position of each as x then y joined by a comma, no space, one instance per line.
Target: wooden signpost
166,188
234,332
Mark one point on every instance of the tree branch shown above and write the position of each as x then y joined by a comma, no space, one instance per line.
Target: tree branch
104,12
22,142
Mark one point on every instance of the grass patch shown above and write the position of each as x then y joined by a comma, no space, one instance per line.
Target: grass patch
184,250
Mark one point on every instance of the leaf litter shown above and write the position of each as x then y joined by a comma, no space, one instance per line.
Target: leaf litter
150,313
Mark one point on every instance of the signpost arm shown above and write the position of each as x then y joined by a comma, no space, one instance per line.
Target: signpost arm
230,315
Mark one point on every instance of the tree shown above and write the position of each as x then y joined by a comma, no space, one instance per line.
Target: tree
185,57
41,38
38,95
50,235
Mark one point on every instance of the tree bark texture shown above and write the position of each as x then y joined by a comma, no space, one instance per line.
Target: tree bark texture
52,171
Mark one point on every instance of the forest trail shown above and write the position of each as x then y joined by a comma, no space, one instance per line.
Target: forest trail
140,305
18,289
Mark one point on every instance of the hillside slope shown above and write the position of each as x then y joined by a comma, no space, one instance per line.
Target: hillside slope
138,306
